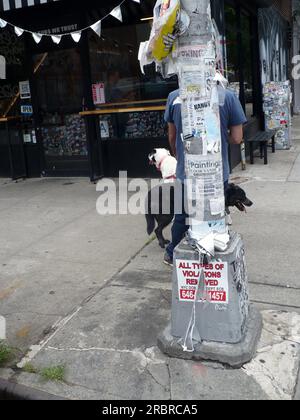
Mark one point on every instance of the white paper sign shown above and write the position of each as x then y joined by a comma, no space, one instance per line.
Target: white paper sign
104,127
27,138
217,206
26,110
198,166
98,93
216,281
34,141
25,90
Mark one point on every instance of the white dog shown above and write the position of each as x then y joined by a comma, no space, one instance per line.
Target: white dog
165,163
160,200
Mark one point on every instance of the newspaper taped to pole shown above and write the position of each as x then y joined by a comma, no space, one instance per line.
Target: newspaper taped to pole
191,52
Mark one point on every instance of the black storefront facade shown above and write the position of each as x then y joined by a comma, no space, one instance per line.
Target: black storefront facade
70,132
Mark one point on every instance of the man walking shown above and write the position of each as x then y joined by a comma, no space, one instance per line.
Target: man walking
232,119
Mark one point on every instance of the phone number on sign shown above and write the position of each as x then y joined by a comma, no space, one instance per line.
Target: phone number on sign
213,296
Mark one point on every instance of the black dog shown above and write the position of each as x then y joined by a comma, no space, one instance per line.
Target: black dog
162,197
160,210
236,197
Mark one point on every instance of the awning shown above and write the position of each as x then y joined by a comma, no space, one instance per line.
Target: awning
6,5
264,3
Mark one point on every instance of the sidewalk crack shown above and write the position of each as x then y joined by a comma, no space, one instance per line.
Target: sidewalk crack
153,377
170,381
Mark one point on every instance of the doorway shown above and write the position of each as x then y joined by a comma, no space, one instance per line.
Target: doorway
59,94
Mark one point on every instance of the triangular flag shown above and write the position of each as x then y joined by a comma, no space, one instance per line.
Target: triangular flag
76,36
117,13
56,38
3,23
97,27
19,31
37,37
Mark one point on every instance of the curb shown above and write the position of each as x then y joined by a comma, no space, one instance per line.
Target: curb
11,391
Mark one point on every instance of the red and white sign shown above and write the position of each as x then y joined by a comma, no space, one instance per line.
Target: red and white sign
98,93
215,277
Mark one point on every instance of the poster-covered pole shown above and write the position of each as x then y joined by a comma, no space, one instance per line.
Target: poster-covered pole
211,315
195,59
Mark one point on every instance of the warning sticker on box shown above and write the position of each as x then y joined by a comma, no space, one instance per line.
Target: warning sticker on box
215,277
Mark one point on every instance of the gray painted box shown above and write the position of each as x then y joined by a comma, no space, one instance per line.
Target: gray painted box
223,323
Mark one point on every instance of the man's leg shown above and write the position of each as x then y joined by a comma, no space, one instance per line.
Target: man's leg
179,229
226,186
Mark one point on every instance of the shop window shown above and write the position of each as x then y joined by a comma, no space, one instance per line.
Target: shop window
247,63
116,71
12,49
239,56
130,125
66,138
232,61
60,97
114,62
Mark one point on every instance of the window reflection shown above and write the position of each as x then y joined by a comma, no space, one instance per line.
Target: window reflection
60,96
248,63
232,63
114,64
239,56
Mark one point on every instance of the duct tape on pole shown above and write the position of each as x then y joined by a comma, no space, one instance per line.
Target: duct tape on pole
211,315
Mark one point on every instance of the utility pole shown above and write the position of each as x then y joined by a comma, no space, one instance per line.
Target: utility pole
211,315
195,60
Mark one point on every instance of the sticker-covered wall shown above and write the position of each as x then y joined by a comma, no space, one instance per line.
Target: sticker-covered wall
274,59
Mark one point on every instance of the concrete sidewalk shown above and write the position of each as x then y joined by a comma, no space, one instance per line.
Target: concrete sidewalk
86,292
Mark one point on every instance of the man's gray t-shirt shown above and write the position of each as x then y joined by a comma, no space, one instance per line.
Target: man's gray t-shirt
231,114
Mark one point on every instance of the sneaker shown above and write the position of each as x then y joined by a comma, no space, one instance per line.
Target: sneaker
168,260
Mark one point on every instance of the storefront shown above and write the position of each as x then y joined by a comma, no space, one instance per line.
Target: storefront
94,112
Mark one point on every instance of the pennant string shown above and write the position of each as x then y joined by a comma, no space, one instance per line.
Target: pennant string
75,34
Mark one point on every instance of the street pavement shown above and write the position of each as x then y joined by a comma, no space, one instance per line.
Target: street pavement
90,292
